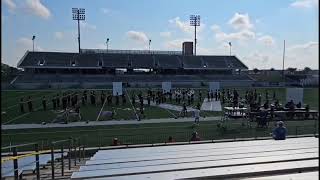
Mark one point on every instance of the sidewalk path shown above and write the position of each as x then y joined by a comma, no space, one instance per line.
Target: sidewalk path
103,123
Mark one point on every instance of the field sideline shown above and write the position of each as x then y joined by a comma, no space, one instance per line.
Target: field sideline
151,133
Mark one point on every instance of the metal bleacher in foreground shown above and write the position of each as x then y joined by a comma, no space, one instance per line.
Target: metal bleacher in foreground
26,164
293,158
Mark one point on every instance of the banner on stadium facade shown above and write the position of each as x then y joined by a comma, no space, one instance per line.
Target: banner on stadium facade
166,87
213,86
117,88
295,94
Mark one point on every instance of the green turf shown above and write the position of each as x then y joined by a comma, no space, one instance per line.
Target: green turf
151,133
10,105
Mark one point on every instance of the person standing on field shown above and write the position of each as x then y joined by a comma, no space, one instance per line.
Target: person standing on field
21,105
44,103
30,104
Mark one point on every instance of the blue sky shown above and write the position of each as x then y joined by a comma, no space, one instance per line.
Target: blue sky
255,28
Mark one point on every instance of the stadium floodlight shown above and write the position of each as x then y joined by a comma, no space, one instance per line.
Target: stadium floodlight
230,47
195,21
33,37
149,44
107,42
79,15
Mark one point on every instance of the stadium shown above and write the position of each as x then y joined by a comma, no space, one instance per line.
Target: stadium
154,114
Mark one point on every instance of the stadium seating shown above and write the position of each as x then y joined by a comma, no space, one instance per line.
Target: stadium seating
191,62
141,61
168,61
91,60
223,160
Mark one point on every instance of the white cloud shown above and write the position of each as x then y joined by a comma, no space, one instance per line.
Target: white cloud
257,60
185,25
302,55
166,34
237,36
37,8
137,36
85,25
105,10
305,46
175,44
240,21
266,40
305,3
26,44
11,5
58,35
215,28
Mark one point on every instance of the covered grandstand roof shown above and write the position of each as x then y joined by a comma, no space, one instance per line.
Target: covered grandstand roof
100,60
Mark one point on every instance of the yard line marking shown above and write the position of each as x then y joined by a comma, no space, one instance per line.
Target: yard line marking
18,117
101,108
134,109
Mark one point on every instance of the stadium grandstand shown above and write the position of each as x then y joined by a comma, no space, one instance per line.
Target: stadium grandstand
96,66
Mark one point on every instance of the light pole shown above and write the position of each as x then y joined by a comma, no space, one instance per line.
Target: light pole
33,37
284,50
78,14
107,44
195,21
149,45
230,47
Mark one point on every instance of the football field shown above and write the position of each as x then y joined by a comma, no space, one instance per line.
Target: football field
10,112
135,133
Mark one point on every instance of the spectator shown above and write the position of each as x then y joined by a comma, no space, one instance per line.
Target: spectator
195,137
171,140
115,142
280,132
21,105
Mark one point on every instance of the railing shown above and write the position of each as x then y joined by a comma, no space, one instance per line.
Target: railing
72,143
104,138
114,51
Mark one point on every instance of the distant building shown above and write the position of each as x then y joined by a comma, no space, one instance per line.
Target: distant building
187,48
